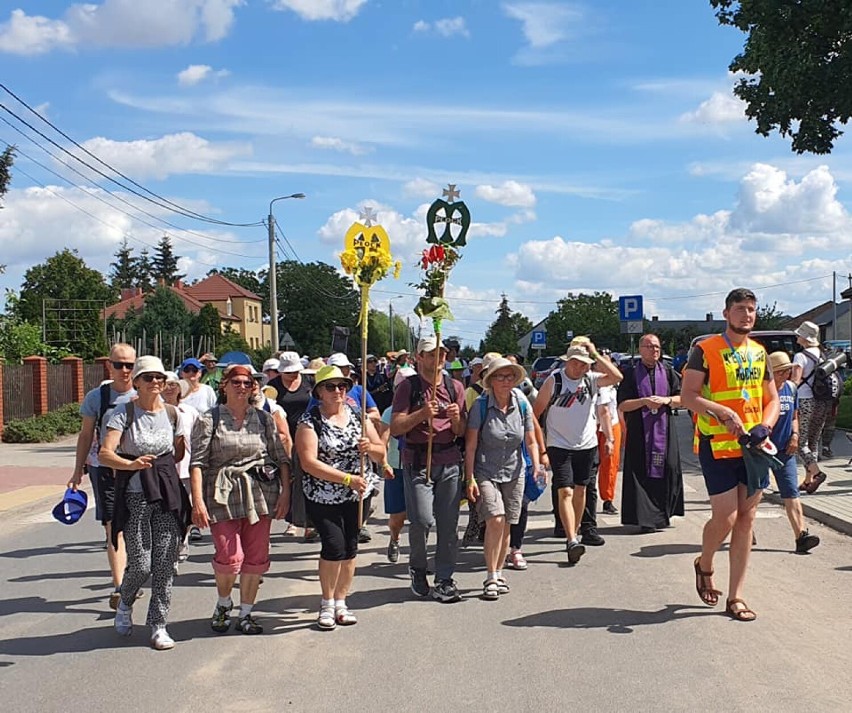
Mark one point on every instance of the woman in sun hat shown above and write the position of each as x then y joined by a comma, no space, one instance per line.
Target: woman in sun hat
142,444
329,442
812,411
494,465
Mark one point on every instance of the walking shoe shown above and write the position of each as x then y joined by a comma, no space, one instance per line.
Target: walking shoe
419,583
344,616
515,560
195,534
123,621
326,620
115,598
221,620
609,508
161,641
592,538
183,552
575,551
364,535
393,550
248,625
827,453
446,591
490,590
806,542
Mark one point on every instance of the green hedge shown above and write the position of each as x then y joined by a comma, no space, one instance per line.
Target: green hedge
844,412
42,429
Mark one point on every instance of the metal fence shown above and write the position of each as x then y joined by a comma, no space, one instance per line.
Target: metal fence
17,392
93,375
60,389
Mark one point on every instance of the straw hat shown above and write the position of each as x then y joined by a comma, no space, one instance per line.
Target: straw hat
500,364
579,353
779,361
147,365
314,365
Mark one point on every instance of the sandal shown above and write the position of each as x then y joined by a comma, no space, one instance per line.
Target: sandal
818,480
325,620
345,617
742,614
708,595
248,625
515,560
490,590
502,586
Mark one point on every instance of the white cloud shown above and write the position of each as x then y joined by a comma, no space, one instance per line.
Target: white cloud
548,28
720,108
120,23
337,144
446,27
171,154
196,73
510,193
336,10
421,188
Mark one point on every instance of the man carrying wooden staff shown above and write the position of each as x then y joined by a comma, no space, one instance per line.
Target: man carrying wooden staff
432,494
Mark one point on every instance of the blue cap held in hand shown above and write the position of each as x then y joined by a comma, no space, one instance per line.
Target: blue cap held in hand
72,507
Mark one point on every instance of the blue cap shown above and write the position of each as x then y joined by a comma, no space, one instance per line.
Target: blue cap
72,507
192,361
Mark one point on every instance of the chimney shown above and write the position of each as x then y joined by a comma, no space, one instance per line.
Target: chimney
655,318
127,293
709,316
178,284
161,282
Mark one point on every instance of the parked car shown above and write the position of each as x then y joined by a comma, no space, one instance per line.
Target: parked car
772,340
541,368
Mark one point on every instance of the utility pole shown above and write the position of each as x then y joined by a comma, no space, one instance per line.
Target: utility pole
390,313
273,272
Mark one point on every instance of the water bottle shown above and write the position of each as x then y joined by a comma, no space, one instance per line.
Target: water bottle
541,476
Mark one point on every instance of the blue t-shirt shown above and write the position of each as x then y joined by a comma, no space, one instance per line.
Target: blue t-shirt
353,398
783,429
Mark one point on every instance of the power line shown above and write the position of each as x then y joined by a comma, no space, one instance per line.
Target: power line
175,207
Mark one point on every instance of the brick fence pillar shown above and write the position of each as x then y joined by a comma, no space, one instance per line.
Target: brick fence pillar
104,362
1,398
39,367
75,371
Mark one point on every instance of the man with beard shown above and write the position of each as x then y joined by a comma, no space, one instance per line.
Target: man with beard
652,481
728,384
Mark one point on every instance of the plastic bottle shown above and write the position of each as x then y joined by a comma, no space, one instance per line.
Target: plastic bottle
541,476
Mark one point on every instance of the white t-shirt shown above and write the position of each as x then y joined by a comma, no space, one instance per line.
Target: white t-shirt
808,365
187,416
571,419
202,400
607,397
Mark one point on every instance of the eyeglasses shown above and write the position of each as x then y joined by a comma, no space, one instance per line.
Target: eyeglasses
190,369
148,378
337,386
119,365
503,377
241,383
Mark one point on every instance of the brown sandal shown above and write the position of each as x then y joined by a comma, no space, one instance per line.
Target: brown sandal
708,595
744,614
818,480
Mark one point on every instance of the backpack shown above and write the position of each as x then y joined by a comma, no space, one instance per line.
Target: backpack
826,387
415,400
130,414
105,406
557,394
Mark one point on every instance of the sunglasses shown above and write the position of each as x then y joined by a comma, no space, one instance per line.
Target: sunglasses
241,383
190,369
337,386
148,378
119,365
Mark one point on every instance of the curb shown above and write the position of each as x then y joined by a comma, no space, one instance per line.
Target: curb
814,513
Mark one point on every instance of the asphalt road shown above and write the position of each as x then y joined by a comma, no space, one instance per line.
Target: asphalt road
622,631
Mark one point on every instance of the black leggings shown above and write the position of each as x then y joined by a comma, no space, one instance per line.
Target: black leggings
516,538
337,526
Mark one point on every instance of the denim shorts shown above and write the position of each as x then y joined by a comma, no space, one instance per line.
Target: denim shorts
722,474
394,493
787,478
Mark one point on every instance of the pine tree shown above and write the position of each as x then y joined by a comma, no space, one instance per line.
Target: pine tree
124,271
164,265
144,271
503,334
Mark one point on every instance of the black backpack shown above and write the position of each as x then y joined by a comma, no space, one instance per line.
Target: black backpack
826,387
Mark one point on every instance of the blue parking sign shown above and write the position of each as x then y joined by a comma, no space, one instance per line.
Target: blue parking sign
539,336
630,308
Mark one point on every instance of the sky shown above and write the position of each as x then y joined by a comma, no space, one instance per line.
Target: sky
597,144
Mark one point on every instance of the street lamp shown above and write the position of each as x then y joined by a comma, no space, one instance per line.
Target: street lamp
273,277
390,314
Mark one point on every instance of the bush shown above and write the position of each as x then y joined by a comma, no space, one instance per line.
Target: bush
42,429
844,412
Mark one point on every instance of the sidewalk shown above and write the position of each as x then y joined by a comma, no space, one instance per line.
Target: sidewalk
832,503
30,472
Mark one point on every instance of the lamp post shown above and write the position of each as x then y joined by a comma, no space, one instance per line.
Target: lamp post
273,276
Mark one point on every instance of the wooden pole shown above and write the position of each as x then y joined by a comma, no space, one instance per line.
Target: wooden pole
435,381
365,301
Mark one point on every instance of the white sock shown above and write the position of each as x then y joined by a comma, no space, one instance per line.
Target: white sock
327,603
225,602
492,575
340,604
245,610
499,574
575,541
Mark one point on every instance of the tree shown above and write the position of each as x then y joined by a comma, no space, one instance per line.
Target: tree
798,62
312,299
505,331
124,271
208,323
163,317
768,317
594,315
71,295
164,265
7,158
145,271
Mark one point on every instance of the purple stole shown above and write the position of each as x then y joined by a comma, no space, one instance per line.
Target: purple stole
655,425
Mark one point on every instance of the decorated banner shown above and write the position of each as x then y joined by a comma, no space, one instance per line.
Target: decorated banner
366,257
447,221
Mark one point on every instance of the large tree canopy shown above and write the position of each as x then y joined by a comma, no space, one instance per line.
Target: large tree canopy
595,315
798,58
505,331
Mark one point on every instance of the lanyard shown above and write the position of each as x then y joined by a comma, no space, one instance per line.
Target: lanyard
739,357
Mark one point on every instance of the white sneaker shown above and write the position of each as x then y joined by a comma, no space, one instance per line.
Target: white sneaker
161,641
123,621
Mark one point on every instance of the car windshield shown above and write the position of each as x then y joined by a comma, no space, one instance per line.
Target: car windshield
543,363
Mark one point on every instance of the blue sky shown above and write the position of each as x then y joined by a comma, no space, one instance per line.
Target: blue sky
597,145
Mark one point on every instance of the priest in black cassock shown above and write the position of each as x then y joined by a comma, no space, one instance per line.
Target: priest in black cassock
652,482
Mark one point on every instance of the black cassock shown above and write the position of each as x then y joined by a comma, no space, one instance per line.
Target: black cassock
649,502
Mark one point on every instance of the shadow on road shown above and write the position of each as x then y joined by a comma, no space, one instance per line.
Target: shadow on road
847,568
615,621
59,548
663,550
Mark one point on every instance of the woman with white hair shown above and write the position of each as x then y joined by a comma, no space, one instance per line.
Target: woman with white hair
500,424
